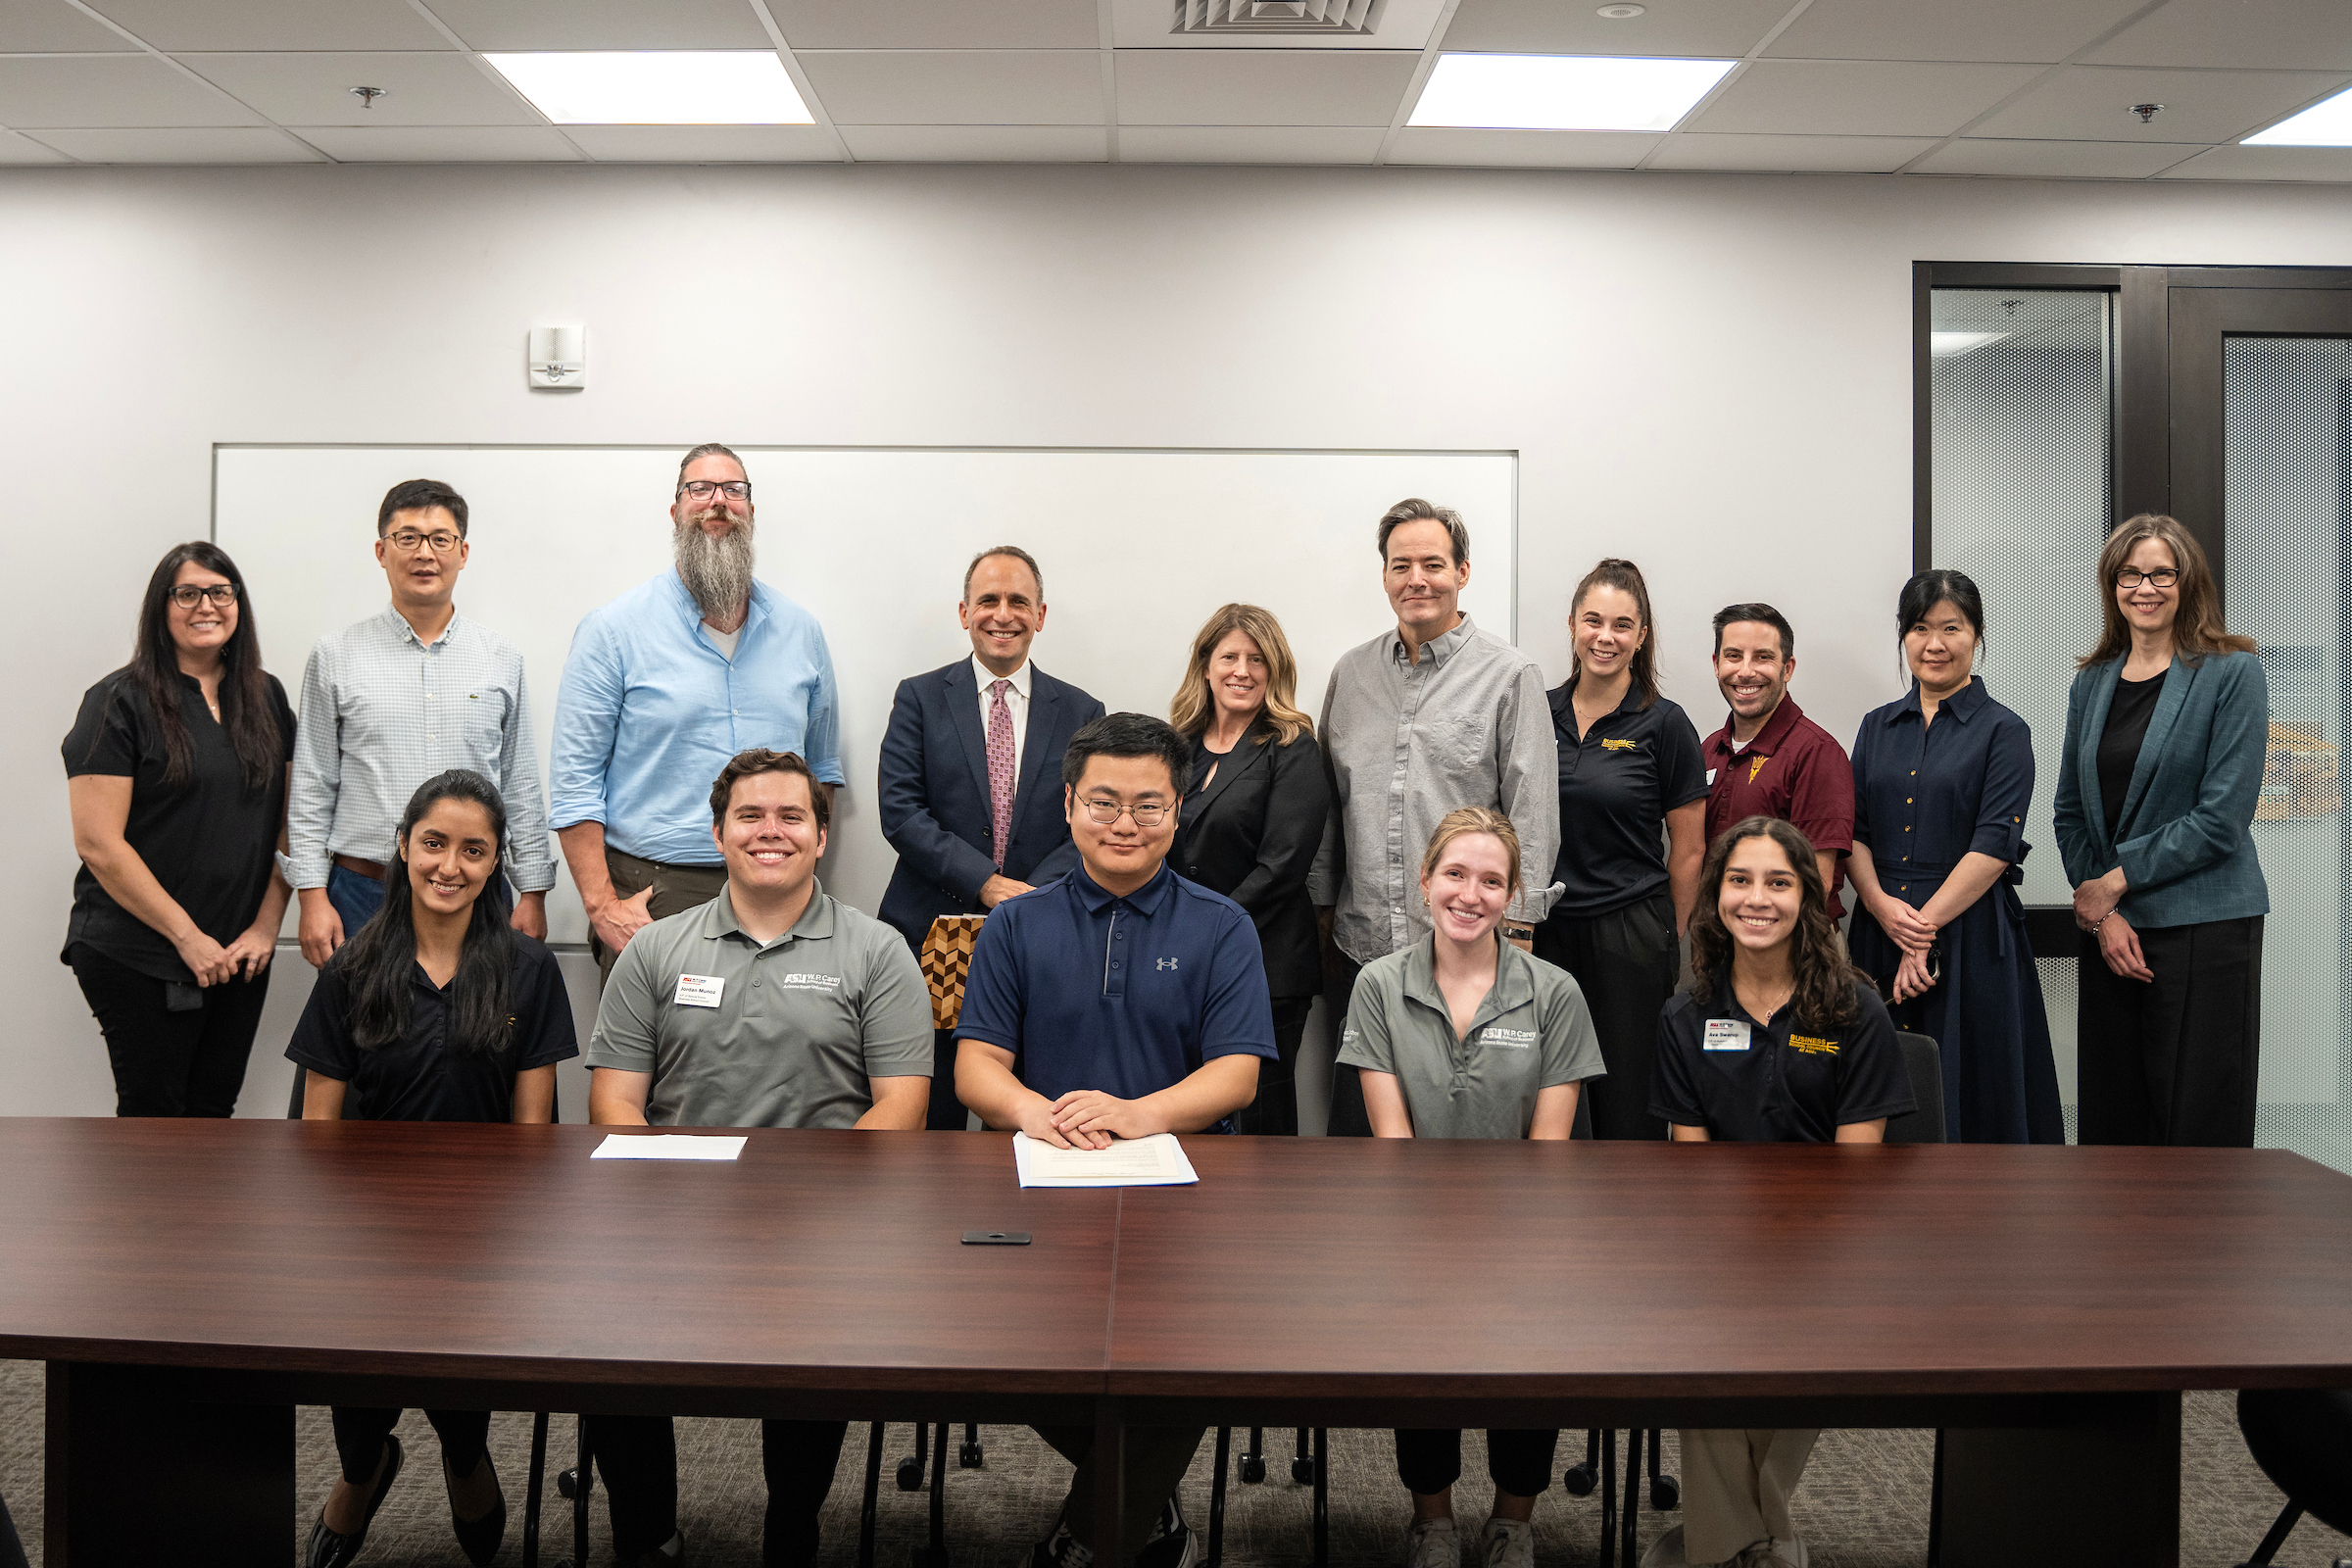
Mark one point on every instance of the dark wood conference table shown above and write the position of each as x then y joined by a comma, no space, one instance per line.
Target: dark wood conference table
190,1281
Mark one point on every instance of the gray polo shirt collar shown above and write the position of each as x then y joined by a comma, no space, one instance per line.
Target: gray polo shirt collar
1440,648
1513,986
816,923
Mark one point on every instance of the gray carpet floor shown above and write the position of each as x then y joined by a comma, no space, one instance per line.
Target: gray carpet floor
1863,1504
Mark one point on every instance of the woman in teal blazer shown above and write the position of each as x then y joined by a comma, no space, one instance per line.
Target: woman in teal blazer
2167,729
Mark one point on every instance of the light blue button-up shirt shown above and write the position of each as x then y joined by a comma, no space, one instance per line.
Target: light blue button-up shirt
651,710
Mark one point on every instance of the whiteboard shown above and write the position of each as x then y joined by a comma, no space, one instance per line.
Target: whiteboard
1138,547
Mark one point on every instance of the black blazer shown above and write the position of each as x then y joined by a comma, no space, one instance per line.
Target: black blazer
933,788
1252,836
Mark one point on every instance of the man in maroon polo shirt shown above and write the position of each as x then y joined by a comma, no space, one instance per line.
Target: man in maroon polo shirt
1769,759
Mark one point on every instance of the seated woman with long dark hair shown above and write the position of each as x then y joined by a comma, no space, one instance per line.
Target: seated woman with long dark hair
437,1011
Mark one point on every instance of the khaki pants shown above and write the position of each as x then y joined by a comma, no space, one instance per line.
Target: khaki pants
1735,1487
677,889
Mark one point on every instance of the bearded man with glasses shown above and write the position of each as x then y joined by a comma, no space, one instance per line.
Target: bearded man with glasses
664,686
410,692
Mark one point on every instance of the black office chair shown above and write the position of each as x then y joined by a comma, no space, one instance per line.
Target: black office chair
2302,1437
1923,1064
12,1550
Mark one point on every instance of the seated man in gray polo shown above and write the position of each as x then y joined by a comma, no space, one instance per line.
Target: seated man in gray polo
773,1006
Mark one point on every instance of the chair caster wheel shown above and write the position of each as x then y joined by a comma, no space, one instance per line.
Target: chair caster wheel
1580,1480
567,1485
911,1474
969,1457
1665,1493
1302,1471
1253,1469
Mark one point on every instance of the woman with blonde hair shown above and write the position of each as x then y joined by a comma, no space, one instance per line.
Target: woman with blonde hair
1251,817
2166,733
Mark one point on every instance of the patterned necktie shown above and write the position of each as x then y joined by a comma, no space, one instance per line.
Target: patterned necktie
1000,778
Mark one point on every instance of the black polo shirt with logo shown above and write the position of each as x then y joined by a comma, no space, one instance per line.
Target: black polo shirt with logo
1785,1082
1617,783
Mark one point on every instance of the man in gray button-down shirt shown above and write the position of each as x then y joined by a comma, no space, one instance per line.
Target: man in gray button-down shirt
1432,716
391,701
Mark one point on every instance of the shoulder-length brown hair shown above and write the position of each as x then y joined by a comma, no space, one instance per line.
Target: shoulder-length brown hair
2198,629
1190,708
1626,577
1824,975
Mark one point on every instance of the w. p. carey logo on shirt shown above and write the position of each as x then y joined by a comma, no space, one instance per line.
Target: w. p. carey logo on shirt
1507,1039
1813,1044
810,982
1620,746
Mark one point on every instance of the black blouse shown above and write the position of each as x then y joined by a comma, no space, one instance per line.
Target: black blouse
2126,729
209,841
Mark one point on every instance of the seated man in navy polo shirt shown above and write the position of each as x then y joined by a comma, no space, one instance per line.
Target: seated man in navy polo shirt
1117,1002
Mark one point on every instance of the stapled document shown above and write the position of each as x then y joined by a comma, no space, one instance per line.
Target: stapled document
1154,1161
666,1145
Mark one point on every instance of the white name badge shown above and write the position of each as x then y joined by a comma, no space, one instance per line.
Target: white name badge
1710,779
702,990
1725,1034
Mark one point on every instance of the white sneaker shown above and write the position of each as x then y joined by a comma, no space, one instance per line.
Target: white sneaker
1509,1544
1432,1543
1666,1551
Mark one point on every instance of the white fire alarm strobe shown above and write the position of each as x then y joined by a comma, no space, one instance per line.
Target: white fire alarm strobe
559,357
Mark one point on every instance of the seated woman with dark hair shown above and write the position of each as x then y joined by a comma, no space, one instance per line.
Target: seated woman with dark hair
437,1011
1780,1039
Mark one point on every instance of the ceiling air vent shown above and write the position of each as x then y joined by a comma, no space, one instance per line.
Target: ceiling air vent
1261,17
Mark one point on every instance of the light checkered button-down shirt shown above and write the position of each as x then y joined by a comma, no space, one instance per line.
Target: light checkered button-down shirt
381,712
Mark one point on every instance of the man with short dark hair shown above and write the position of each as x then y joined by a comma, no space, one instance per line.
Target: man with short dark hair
1769,759
971,770
1119,1001
394,700
773,1004
663,686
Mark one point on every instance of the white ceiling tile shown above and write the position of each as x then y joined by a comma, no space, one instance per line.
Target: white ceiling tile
419,89
2054,160
439,144
16,148
2252,34
200,145
39,26
705,144
535,25
223,25
979,144
1521,149
1784,155
929,24
1724,30
959,88
1400,24
2094,103
1859,97
2330,163
2043,30
116,90
1261,88
1249,144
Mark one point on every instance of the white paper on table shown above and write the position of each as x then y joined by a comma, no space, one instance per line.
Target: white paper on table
1154,1161
666,1145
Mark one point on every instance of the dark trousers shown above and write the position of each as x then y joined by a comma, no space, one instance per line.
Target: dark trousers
1274,1114
1626,962
2172,1060
359,1435
1157,1460
677,889
638,1457
167,1063
12,1550
1429,1460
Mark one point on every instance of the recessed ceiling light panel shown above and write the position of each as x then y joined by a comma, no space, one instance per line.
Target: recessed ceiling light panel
1564,92
657,87
2325,123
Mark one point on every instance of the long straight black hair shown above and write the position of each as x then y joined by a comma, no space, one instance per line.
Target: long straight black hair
376,962
245,711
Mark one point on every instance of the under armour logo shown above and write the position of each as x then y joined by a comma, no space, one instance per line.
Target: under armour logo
1166,964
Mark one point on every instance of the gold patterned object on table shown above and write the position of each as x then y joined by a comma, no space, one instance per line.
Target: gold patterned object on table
2299,777
947,961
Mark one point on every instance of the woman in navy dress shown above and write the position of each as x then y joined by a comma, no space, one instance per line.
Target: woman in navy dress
1941,782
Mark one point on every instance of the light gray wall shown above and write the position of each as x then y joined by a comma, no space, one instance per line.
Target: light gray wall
1710,373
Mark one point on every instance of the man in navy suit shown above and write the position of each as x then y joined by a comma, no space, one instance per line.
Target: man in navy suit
971,781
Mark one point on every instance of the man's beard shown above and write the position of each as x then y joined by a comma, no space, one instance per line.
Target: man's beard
716,572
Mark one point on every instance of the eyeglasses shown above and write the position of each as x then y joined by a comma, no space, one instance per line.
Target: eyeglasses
705,489
221,594
1149,814
2133,577
442,542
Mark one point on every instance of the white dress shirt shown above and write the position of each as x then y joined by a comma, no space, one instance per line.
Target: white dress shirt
1016,697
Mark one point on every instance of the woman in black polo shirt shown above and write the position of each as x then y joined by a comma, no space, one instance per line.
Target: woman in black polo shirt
438,1010
1780,1040
1631,780
177,773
